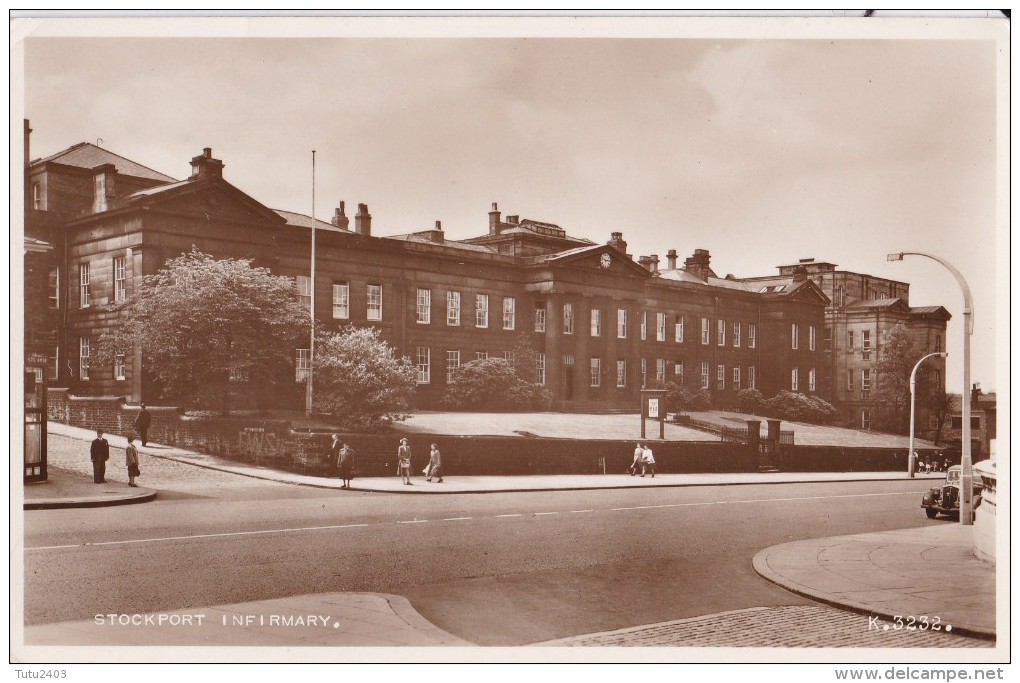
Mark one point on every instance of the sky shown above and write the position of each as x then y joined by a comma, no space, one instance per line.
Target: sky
763,143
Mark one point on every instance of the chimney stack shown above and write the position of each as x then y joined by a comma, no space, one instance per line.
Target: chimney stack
494,220
651,263
363,221
671,259
698,264
204,166
103,186
436,234
799,274
616,242
340,219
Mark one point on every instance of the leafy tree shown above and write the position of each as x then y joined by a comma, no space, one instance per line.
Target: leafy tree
750,401
681,399
496,384
359,380
201,322
900,353
789,405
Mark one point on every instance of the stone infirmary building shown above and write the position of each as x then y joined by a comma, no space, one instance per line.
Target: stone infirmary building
603,324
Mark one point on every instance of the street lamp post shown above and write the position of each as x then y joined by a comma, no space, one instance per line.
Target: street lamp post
913,399
966,474
311,307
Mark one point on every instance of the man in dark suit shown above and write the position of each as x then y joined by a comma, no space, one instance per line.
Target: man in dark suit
100,454
334,454
142,423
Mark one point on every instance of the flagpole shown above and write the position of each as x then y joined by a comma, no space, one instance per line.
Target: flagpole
311,307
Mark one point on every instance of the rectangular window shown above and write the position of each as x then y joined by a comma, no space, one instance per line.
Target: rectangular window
794,336
304,288
752,335
840,296
540,367
644,325
866,345
706,331
794,380
302,365
54,288
849,341
621,323
720,377
736,379
452,363
644,372
83,358
865,419
678,332
508,356
453,308
721,333
423,308
660,370
938,343
119,279
509,313
678,372
865,383
481,310
83,279
37,198
119,371
375,302
660,327
621,373
596,372
596,322
341,301
539,320
827,339
752,377
481,355
424,363
811,379
55,364
706,378
736,335
849,380
568,318
812,338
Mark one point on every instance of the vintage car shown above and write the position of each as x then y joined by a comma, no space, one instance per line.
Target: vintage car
946,499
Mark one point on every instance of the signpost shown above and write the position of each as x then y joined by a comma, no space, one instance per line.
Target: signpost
653,407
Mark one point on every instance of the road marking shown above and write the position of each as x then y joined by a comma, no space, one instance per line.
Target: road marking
455,519
189,538
421,521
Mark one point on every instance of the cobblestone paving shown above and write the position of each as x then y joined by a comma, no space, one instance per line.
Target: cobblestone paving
72,455
799,626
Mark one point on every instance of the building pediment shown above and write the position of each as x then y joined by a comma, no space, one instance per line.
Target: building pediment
600,258
208,199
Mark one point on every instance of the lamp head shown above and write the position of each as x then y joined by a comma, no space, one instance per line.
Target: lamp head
894,257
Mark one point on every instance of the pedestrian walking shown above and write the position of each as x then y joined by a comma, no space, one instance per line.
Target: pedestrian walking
638,452
334,454
435,468
142,422
647,462
346,465
131,457
404,462
100,452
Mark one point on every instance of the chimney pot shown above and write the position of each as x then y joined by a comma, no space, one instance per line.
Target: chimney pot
340,219
439,225
494,220
671,259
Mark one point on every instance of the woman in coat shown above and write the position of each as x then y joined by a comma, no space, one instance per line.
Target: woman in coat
131,456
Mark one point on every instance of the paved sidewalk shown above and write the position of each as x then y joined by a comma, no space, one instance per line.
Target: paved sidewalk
69,490
929,570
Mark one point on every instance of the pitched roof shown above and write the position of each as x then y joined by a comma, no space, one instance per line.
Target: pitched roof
87,155
876,303
300,220
424,239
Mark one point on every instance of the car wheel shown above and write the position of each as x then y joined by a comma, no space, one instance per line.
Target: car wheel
932,514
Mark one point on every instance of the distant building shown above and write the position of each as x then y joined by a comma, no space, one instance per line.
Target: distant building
983,416
603,324
862,310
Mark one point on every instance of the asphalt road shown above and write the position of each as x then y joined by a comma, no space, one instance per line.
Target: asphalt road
494,569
